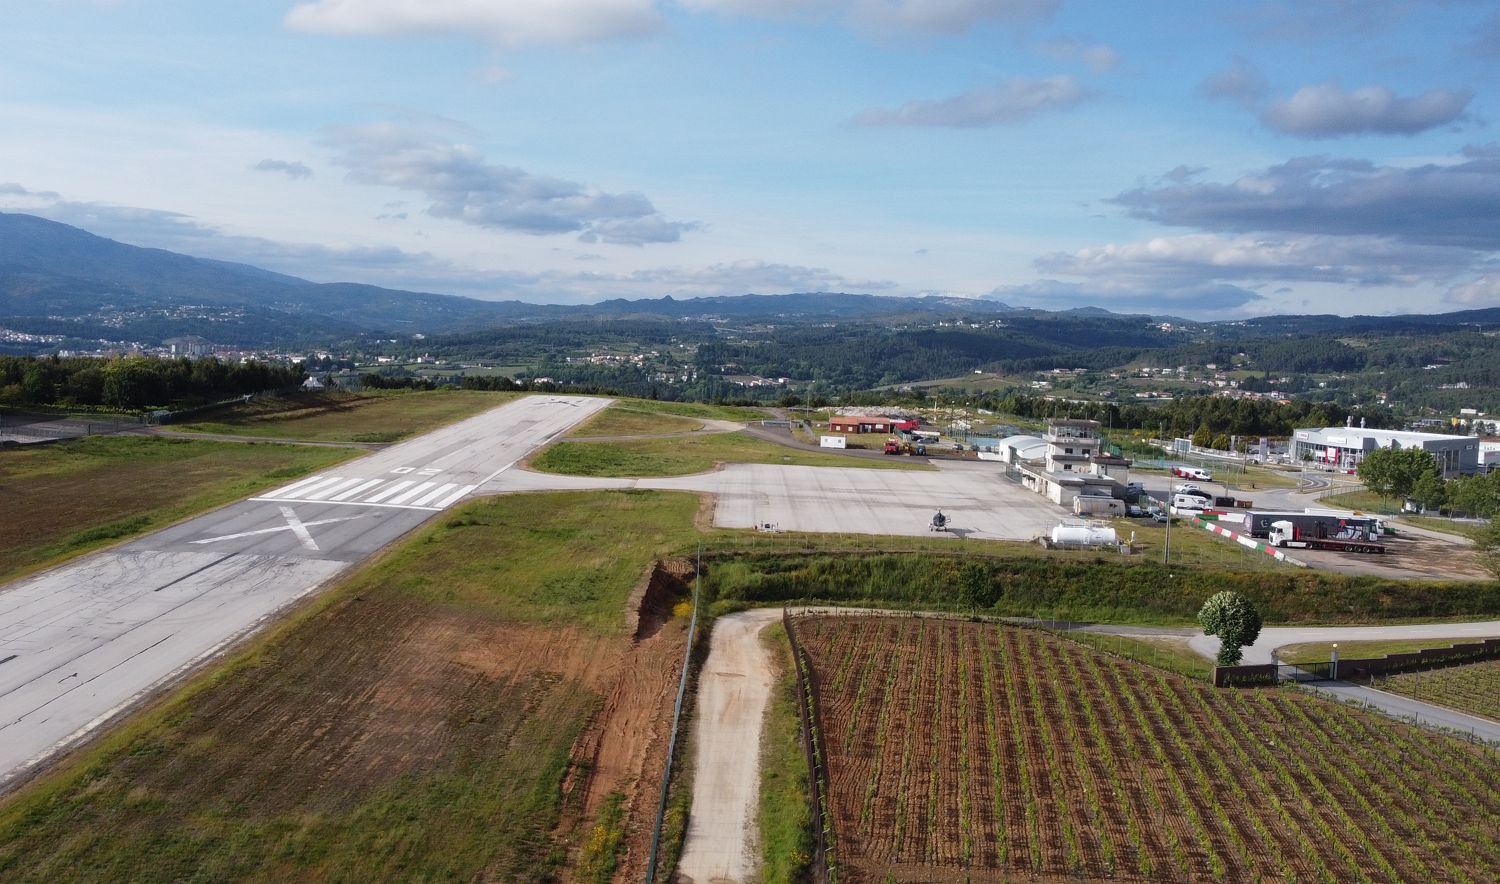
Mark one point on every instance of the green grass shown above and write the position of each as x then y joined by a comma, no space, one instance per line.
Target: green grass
370,416
785,817
600,852
688,455
738,413
1164,652
369,737
1369,502
540,558
1318,652
70,498
622,420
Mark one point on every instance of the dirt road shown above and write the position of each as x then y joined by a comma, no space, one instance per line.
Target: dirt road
733,690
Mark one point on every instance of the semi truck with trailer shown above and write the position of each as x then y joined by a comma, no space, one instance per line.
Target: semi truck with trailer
1285,535
1315,525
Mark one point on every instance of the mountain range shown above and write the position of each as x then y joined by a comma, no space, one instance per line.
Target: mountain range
56,279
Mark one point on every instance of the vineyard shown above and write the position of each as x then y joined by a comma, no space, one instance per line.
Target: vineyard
968,751
1472,688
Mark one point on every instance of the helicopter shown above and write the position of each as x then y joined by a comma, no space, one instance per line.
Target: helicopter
939,522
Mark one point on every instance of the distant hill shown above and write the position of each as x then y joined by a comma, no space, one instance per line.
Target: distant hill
58,279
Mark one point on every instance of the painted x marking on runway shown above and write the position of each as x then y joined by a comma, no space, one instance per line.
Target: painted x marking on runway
293,524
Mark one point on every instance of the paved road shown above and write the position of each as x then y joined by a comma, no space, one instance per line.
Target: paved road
979,501
1273,637
733,690
1428,714
85,641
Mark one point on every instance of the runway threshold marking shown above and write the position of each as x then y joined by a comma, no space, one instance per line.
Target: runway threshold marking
293,524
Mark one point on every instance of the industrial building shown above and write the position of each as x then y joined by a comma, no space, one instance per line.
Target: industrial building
1342,448
1075,465
863,424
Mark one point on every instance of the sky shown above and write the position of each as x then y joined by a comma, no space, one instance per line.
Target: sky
1202,159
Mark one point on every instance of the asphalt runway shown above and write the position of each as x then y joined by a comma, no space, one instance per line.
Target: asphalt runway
83,642
979,501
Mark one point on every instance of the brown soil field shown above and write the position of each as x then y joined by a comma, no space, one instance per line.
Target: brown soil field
968,751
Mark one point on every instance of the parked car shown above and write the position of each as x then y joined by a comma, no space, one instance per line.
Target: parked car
1159,516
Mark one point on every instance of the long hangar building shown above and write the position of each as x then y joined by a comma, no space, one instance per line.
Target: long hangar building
1344,447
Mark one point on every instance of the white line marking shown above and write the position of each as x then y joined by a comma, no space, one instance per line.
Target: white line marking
486,479
296,486
404,496
294,525
377,498
454,497
387,506
403,470
430,471
299,529
434,494
302,492
324,492
357,489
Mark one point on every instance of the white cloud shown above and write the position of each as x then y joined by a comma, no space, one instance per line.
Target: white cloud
1011,101
461,185
1481,292
1202,258
506,23
1328,111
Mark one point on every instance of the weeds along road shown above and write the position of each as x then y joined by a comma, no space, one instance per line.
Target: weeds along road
86,641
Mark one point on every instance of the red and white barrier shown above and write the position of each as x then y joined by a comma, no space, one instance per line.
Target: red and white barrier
1248,541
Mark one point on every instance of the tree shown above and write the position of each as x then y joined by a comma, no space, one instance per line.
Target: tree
1203,436
1233,618
1393,472
1430,492
1474,496
1221,442
1488,545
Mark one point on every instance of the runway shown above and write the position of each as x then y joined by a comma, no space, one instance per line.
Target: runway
83,642
979,501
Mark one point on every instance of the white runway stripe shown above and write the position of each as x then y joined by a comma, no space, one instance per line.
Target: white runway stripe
329,489
377,498
308,489
357,489
296,486
404,496
454,497
434,494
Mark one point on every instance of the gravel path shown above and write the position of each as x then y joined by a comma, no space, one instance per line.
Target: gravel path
733,690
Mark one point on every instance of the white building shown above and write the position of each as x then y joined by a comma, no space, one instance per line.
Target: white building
1076,465
1343,448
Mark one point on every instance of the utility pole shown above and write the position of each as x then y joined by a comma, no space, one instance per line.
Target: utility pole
1166,549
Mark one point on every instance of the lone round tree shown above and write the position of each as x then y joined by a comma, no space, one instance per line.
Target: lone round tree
1232,618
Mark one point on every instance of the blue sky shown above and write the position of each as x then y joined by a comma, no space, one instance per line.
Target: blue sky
1202,159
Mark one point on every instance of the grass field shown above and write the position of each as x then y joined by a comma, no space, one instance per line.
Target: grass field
1472,687
416,722
624,420
1368,502
785,818
958,748
1320,652
65,499
370,416
685,456
1164,652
